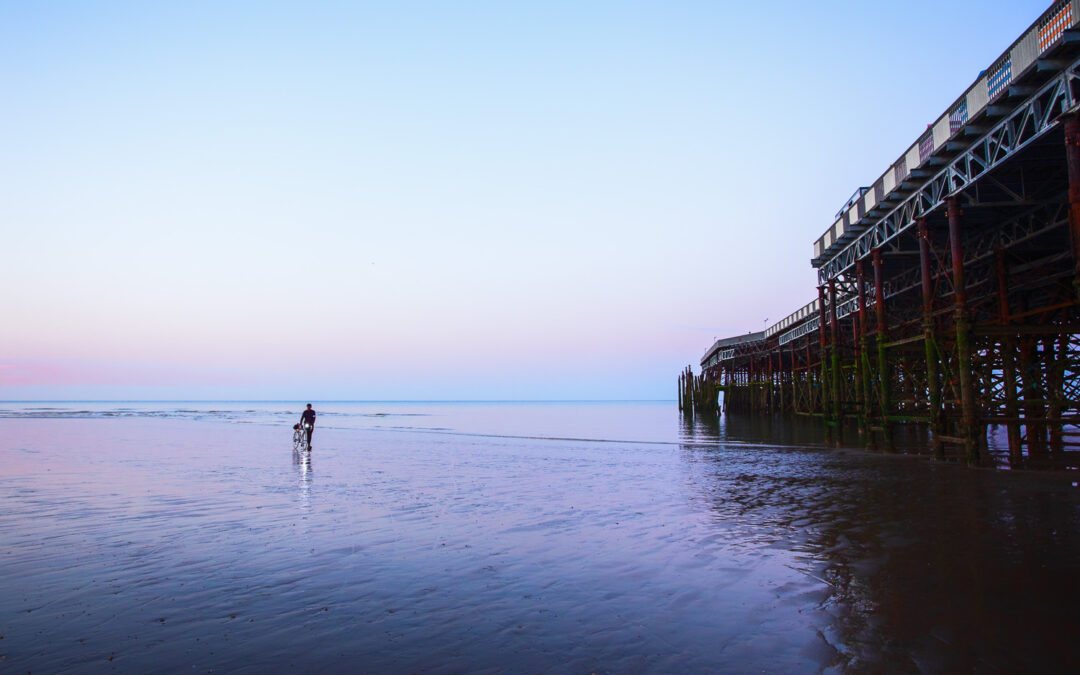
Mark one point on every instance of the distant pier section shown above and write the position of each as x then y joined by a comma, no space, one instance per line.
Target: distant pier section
947,297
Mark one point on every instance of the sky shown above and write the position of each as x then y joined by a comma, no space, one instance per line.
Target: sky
438,200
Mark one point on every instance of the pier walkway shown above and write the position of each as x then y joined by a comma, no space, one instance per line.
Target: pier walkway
948,288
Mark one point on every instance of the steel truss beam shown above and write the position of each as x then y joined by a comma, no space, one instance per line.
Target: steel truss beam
1029,121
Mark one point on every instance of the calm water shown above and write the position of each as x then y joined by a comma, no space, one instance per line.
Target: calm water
570,537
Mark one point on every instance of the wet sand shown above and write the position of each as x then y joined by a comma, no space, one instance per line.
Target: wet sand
159,544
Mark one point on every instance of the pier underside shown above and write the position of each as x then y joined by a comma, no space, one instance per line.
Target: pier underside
960,323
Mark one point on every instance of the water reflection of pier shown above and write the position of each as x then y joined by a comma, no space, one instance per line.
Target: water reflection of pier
949,289
912,566
757,429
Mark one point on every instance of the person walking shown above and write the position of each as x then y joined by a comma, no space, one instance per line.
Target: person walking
307,423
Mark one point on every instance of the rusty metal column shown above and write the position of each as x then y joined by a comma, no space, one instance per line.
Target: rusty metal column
794,391
1072,161
778,382
1054,353
1034,394
755,389
826,395
771,382
1008,361
963,334
857,376
725,380
933,385
884,376
834,364
862,373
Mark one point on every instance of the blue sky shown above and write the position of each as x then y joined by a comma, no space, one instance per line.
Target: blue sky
438,200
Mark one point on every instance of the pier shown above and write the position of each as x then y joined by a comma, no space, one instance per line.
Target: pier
947,294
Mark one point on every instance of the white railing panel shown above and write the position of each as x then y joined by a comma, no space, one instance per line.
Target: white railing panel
888,181
942,132
1025,51
976,97
912,157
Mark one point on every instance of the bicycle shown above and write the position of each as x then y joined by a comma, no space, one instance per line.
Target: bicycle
299,438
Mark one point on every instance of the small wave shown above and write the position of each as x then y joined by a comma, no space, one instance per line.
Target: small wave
572,439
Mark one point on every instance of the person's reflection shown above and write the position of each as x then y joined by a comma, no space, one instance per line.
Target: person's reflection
302,462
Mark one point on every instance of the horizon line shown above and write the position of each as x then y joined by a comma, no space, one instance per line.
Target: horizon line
316,400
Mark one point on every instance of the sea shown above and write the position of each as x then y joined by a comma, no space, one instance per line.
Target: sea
514,537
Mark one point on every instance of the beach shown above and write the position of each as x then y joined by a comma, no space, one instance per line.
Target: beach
460,538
